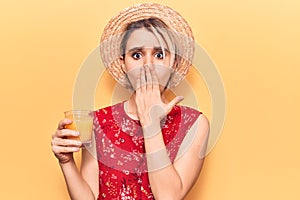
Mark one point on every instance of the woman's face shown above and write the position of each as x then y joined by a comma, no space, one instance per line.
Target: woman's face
143,48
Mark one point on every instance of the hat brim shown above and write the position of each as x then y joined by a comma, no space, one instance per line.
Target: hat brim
112,36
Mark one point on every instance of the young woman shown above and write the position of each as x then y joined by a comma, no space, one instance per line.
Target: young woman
146,147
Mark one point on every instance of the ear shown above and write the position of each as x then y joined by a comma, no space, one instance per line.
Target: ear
175,64
122,64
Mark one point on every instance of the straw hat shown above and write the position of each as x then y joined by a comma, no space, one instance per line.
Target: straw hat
112,36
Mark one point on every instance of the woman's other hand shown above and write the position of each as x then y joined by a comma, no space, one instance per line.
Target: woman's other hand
62,147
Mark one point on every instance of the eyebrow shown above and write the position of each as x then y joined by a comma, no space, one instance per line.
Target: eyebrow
142,47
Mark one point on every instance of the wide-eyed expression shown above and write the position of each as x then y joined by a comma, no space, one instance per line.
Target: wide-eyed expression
143,49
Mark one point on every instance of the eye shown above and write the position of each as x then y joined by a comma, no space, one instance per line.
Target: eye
159,55
136,55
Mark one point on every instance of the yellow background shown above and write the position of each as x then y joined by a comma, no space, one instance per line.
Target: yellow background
255,45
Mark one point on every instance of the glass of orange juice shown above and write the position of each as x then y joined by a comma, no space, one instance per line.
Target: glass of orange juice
83,123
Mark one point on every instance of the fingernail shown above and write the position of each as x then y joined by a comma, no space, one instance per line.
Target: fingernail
76,133
180,98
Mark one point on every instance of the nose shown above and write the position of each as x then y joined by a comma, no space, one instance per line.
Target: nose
148,59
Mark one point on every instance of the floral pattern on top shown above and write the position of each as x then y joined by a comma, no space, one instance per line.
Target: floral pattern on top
121,152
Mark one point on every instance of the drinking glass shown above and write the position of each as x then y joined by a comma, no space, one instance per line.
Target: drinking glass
83,123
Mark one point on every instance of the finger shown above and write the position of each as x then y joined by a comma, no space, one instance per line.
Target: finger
64,133
66,142
62,123
174,102
59,149
138,85
149,78
143,80
138,89
138,93
155,83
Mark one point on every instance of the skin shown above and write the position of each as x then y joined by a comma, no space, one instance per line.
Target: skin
149,106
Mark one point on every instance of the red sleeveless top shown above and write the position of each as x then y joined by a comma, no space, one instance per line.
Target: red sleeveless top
121,152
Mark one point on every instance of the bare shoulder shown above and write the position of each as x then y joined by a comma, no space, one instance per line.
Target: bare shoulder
196,138
201,127
203,122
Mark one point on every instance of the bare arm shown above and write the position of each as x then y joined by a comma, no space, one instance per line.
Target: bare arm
81,185
174,181
167,180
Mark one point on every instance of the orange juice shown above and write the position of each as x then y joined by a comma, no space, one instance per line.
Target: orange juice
83,123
